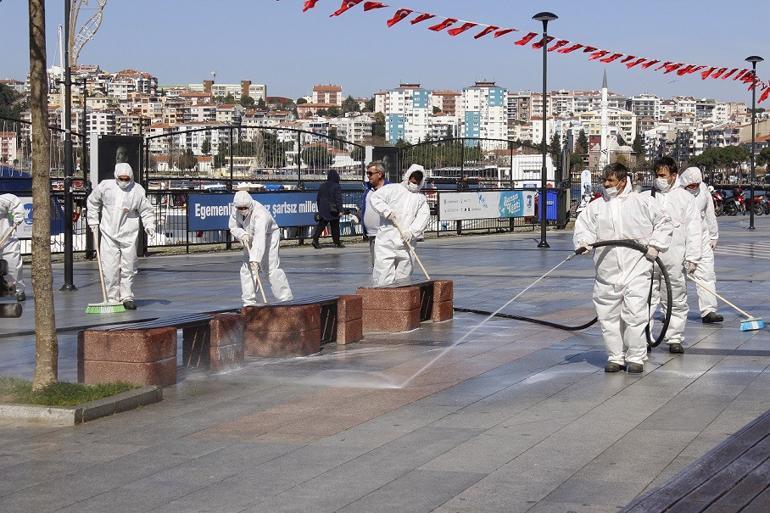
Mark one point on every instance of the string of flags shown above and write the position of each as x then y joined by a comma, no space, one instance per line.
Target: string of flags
455,27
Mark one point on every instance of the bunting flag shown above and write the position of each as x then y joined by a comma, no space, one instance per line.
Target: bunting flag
455,27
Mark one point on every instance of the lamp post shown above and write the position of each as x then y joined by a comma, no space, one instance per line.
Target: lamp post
545,17
68,261
753,59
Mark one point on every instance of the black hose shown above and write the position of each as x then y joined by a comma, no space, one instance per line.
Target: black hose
630,244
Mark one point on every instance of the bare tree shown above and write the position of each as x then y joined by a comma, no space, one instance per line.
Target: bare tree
46,344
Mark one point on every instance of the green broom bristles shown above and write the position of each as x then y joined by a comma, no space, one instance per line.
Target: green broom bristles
105,308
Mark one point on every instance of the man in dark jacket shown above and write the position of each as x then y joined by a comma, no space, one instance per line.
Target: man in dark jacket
329,201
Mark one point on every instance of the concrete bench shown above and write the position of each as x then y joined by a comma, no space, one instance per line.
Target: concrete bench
145,353
299,327
402,306
733,477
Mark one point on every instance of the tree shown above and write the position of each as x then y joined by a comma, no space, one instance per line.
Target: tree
378,130
46,343
350,104
317,157
301,101
620,140
333,112
763,158
436,110
581,146
229,98
10,102
554,148
206,146
369,107
357,154
261,104
186,160
247,101
638,146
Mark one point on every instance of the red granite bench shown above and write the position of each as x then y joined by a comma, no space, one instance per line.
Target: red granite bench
404,305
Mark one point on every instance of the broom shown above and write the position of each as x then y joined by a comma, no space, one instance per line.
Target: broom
104,307
8,234
750,323
255,272
410,248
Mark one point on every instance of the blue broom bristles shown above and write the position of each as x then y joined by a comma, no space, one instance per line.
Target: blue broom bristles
752,324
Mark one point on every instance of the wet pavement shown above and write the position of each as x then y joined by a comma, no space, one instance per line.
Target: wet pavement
518,417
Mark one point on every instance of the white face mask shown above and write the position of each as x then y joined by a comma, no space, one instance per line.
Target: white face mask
123,185
694,192
611,192
413,187
662,184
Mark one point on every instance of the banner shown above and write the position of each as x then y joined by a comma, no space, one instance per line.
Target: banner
24,231
458,206
212,211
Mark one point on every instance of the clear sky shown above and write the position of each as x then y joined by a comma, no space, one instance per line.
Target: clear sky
273,42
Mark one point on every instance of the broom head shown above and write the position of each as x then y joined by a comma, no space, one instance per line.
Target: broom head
105,308
752,324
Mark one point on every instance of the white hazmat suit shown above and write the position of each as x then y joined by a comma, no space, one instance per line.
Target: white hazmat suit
704,204
404,202
684,251
261,237
623,275
121,205
12,214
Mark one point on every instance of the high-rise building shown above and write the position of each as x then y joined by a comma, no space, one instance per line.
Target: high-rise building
407,117
485,111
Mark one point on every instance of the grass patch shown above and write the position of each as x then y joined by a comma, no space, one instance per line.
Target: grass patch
19,391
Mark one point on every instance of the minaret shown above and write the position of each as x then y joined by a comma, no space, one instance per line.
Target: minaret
604,155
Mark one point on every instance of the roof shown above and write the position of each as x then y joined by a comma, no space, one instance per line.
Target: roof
327,88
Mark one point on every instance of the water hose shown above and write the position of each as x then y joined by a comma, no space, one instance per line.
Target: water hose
630,244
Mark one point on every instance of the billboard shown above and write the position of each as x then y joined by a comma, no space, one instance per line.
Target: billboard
24,231
212,211
113,149
458,206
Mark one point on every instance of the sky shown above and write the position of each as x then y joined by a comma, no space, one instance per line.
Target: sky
273,42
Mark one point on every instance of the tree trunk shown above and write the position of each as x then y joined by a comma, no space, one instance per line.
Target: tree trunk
46,345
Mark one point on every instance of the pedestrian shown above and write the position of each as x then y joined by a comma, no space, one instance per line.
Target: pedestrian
692,181
252,224
329,200
404,216
370,219
12,215
122,203
684,252
622,280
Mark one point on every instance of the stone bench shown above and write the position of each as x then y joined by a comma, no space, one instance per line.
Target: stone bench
402,306
299,327
145,353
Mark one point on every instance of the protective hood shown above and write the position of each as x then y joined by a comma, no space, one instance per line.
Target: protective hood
409,172
690,176
124,169
243,199
333,176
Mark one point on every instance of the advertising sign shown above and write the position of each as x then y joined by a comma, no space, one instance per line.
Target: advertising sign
212,211
115,149
457,206
24,231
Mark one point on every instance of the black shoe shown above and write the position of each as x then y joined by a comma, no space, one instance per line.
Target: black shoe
316,245
675,348
634,368
711,318
21,296
613,367
129,304
340,245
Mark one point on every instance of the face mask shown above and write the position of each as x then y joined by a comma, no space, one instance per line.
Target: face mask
695,191
123,185
611,192
413,187
662,184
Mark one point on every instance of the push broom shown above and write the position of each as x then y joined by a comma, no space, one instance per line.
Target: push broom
255,272
105,307
750,323
410,248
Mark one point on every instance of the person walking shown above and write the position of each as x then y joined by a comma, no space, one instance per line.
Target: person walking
12,215
329,200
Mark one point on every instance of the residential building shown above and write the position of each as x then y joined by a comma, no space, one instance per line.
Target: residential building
644,106
623,121
485,111
446,101
8,149
408,114
327,95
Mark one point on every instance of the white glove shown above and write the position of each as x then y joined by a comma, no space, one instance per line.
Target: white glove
406,236
150,230
690,267
255,267
713,243
94,227
391,217
246,241
652,253
18,218
583,248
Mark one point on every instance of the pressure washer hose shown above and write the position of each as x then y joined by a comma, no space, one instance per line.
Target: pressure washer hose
630,244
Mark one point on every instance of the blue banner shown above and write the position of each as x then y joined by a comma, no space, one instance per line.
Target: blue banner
212,211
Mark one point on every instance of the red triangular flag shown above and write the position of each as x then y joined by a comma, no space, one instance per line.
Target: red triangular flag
589,49
611,58
438,27
526,39
309,4
346,4
570,49
558,44
764,95
705,74
665,64
696,68
598,54
504,31
368,6
422,17
628,58
685,70
740,75
400,15
719,73
672,67
488,30
650,63
462,28
636,62
542,43
731,72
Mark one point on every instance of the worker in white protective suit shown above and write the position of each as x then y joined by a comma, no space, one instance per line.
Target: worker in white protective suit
684,253
623,275
122,203
12,215
253,225
404,214
692,181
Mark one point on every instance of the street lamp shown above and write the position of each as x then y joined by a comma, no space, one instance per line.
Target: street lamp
68,261
753,59
545,17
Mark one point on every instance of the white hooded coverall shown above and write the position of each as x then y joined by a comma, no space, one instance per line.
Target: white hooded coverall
623,275
707,302
392,260
261,230
685,247
121,206
11,214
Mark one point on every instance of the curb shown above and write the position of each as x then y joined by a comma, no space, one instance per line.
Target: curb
57,417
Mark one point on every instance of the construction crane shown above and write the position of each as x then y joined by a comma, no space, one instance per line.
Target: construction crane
87,31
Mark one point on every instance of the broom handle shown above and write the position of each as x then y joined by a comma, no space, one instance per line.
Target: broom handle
99,263
259,281
9,234
411,249
704,287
